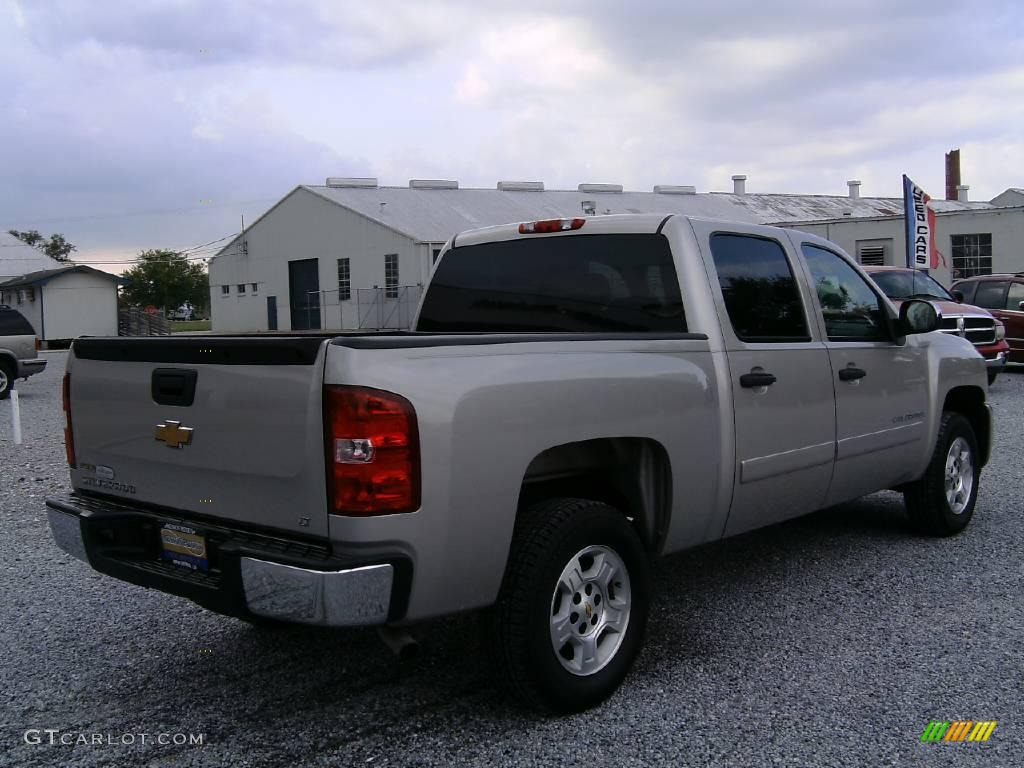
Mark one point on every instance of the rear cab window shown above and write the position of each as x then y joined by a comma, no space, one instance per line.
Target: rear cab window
608,283
13,323
760,292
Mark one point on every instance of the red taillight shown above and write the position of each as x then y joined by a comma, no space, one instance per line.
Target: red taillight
69,436
550,225
373,452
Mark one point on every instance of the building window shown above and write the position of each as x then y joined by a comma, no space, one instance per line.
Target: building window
255,287
241,287
344,280
225,290
972,255
873,253
391,276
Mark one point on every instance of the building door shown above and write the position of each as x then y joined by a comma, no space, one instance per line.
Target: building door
304,294
271,313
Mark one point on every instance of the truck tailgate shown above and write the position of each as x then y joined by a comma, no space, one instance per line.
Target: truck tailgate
225,427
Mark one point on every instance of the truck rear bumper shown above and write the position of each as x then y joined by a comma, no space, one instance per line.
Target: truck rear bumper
249,574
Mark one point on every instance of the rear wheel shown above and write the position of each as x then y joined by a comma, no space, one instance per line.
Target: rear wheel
6,379
942,502
572,611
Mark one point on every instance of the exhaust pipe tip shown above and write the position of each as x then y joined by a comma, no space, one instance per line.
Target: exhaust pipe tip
399,642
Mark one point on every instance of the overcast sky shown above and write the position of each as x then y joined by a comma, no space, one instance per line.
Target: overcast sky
120,120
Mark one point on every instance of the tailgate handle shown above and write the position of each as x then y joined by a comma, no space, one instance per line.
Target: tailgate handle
174,386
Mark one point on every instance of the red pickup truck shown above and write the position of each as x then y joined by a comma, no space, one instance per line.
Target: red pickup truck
977,325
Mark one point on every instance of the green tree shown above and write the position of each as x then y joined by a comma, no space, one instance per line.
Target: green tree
54,246
166,279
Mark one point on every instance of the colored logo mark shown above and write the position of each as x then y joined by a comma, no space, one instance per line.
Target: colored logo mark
958,730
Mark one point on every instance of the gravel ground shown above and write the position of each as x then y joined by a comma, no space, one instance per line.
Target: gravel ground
827,641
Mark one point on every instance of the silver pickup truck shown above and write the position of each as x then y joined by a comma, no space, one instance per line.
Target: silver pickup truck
578,396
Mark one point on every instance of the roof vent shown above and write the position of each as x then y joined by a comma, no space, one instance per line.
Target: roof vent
521,186
854,186
739,184
614,188
433,184
961,192
361,183
675,189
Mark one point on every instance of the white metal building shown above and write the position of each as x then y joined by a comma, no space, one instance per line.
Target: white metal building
65,302
353,254
981,241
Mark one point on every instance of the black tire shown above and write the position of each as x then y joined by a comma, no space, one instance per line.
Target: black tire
548,537
992,377
927,504
6,379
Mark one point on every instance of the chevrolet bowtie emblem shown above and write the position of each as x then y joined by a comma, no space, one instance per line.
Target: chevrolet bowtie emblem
173,434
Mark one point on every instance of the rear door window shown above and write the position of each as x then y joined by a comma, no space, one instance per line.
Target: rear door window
991,294
568,284
760,292
13,323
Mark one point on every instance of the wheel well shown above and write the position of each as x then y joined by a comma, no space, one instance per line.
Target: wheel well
8,360
970,401
632,474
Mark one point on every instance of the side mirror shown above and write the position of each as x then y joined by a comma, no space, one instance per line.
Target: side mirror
1021,306
959,296
917,316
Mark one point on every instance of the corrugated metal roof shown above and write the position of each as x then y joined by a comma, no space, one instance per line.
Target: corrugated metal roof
434,215
16,258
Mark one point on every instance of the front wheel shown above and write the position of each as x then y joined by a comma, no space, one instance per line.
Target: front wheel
941,502
571,615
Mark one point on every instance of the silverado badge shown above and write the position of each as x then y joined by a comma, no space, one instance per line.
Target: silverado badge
173,434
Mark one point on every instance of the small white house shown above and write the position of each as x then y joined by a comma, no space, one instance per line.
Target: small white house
66,302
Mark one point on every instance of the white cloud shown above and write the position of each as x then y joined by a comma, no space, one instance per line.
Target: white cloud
472,88
17,13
